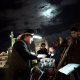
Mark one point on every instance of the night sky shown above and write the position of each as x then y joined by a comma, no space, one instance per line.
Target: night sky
54,17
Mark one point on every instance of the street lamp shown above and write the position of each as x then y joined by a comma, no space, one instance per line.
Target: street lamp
37,36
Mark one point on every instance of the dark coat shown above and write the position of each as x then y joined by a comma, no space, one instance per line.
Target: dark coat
20,62
73,55
57,53
41,51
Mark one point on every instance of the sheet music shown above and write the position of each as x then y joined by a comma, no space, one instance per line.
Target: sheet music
68,68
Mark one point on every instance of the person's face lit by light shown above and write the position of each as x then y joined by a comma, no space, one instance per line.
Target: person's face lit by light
28,39
43,47
74,34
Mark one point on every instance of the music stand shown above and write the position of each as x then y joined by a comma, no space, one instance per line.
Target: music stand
68,68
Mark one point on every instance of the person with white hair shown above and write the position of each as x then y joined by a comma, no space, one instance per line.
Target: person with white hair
20,60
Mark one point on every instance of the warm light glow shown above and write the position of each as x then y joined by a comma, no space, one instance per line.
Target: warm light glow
41,55
50,49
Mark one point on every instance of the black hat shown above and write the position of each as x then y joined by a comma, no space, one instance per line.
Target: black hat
29,31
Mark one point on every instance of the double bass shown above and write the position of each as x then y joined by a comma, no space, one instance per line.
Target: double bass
62,59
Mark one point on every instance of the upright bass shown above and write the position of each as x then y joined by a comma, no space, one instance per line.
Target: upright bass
62,59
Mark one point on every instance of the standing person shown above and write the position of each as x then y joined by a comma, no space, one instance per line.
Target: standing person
62,42
73,55
57,52
69,40
20,60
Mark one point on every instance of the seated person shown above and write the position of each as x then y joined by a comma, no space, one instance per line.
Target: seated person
43,50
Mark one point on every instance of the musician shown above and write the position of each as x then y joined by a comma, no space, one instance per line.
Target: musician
62,42
69,40
43,50
20,60
57,52
73,55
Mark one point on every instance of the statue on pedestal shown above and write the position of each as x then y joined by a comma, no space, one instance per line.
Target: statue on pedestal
10,48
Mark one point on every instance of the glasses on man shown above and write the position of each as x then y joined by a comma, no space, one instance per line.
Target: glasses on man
31,35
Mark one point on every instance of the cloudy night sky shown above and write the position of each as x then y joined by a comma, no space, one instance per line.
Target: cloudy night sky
54,17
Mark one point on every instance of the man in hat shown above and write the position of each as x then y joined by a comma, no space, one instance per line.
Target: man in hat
20,60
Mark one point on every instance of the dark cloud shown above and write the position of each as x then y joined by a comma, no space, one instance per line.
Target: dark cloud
11,4
18,15
68,2
4,22
54,1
